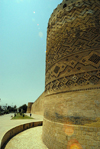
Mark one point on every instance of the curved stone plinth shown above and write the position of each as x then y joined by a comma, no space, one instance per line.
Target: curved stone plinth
64,136
79,107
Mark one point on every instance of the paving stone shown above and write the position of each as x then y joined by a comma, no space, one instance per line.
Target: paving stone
28,139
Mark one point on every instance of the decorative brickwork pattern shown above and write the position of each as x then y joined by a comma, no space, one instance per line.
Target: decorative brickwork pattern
72,81
73,43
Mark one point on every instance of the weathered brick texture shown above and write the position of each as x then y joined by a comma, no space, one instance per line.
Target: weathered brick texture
29,107
72,84
66,136
38,105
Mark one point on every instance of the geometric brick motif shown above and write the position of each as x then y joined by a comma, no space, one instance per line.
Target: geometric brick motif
81,79
94,58
56,69
73,46
94,79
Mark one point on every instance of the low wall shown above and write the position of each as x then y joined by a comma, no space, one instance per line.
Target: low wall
12,132
65,136
66,116
38,105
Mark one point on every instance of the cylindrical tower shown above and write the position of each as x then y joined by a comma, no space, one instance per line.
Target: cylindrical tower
72,84
29,107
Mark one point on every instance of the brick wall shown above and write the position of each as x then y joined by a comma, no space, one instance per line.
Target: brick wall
63,136
79,107
72,119
72,84
38,105
29,107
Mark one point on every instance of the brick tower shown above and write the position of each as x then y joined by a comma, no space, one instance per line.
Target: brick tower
29,107
72,84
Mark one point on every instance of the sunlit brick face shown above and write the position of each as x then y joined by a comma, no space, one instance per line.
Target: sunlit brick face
72,81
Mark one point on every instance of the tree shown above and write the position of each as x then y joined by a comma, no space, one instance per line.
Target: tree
12,109
1,108
24,107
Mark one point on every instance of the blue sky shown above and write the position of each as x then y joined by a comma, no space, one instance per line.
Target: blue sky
23,31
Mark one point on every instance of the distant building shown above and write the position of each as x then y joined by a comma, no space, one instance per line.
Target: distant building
29,107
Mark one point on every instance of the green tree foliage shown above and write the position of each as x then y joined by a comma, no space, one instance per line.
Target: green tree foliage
8,109
1,108
11,109
24,107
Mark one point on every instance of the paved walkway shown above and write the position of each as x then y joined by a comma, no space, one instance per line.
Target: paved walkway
6,123
28,139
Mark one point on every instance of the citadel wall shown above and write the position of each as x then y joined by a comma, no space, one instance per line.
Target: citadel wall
72,85
29,107
38,105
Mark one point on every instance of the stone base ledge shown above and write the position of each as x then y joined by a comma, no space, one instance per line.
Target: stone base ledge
66,136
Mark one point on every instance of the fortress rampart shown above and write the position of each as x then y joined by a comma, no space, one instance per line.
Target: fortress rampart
38,105
29,107
72,84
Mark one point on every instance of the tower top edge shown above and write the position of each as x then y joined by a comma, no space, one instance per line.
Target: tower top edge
68,5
